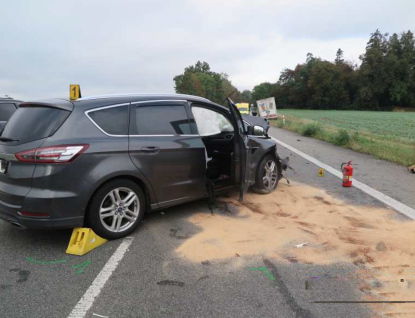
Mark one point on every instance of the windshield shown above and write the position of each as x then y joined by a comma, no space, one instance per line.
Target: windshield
32,123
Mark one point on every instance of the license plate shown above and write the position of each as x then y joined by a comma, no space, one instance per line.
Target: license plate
3,166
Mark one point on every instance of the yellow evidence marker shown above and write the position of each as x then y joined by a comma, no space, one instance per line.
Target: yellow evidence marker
83,240
74,91
321,172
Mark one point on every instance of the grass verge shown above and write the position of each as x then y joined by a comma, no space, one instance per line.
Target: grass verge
398,150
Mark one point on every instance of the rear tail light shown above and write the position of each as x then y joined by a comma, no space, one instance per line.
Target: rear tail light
53,154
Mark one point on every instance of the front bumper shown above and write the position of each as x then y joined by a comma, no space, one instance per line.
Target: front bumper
285,163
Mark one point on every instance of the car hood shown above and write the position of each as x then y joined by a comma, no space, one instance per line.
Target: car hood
257,121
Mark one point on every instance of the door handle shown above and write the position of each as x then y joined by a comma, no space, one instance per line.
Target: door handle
150,149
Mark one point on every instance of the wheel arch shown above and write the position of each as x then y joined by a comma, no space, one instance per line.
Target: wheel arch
135,179
273,153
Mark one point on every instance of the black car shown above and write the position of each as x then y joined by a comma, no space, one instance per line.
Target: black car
7,108
104,161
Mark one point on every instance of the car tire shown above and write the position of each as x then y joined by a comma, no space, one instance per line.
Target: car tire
265,181
116,209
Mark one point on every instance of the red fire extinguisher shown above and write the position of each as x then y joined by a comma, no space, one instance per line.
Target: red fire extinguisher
347,174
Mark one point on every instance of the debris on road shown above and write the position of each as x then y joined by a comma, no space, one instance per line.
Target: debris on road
405,283
381,247
301,245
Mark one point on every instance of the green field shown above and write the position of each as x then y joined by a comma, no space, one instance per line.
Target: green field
392,124
386,135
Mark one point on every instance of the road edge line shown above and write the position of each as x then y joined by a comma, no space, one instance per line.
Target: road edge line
85,303
398,206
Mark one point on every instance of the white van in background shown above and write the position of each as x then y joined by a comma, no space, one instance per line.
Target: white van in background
267,108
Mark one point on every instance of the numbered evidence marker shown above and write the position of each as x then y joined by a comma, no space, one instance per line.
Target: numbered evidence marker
321,172
74,92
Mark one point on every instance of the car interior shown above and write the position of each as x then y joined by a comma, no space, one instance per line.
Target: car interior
220,157
217,134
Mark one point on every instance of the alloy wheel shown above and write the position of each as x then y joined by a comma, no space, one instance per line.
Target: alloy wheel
270,175
119,209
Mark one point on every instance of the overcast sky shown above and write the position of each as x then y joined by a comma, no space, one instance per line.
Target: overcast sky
125,46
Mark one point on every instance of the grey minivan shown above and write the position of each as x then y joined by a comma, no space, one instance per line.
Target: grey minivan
104,161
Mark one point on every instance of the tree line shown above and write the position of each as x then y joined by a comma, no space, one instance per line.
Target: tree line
385,79
200,80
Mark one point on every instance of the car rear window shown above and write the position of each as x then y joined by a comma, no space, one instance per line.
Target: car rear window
6,110
33,123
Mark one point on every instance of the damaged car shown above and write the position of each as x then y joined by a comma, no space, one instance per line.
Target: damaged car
104,161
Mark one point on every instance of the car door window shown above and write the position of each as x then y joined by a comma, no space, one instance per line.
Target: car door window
112,120
209,122
160,120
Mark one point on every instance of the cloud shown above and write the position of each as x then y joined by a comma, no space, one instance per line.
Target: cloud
139,46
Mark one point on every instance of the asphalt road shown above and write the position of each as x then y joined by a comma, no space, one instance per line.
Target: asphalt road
37,278
389,178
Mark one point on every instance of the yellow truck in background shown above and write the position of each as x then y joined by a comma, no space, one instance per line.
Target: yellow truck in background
243,108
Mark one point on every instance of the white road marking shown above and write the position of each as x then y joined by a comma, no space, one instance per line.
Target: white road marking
85,303
404,209
94,314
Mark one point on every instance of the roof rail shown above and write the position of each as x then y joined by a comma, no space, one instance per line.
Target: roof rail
140,95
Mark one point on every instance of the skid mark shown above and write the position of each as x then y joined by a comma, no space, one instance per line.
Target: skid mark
173,233
170,283
282,287
23,274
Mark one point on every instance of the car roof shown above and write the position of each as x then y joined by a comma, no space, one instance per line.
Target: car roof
90,102
102,100
144,96
9,100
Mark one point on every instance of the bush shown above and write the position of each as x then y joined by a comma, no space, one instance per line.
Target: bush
342,138
356,137
311,130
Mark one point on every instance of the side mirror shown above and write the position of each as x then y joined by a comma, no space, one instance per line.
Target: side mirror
258,131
